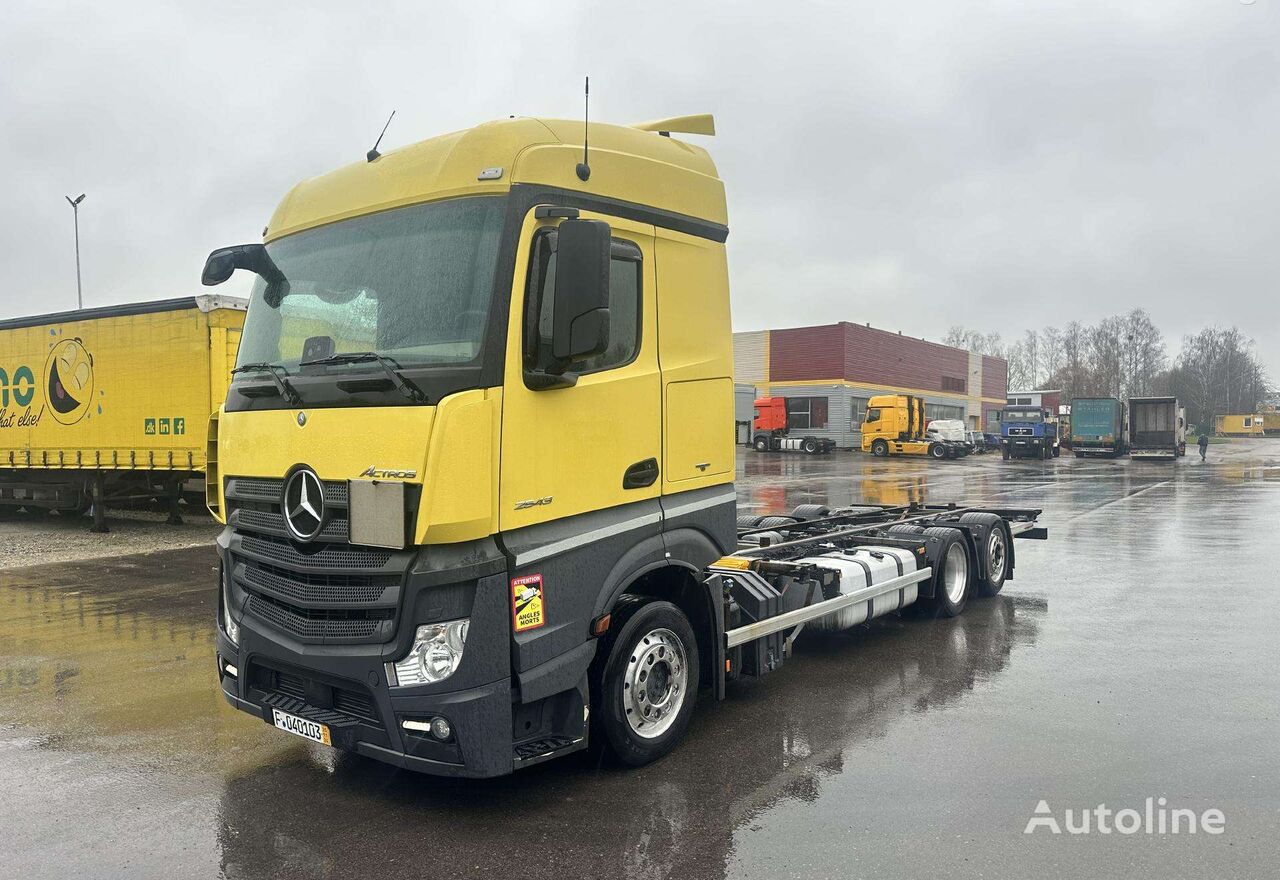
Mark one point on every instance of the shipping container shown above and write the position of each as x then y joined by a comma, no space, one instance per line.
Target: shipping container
1097,426
114,399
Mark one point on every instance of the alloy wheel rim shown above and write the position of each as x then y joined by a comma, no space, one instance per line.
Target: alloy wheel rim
655,683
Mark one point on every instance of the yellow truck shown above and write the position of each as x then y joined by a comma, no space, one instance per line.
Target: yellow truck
476,462
895,424
113,402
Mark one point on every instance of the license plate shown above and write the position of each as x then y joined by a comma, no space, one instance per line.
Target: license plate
311,730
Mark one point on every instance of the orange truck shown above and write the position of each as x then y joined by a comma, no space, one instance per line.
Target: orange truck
770,431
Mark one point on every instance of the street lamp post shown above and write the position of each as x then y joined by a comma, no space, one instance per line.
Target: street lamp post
75,209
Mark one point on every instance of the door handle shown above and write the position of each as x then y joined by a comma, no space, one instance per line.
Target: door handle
641,474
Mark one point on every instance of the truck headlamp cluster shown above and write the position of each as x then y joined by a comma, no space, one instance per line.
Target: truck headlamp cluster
228,623
436,653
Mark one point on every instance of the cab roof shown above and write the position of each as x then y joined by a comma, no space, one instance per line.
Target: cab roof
636,164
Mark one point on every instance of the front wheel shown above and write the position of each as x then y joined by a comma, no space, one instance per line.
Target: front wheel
762,443
938,451
649,684
880,448
1004,452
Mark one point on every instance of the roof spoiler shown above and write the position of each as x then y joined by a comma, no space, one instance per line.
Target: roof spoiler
699,123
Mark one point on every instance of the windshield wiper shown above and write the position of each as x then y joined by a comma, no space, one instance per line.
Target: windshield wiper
278,374
389,364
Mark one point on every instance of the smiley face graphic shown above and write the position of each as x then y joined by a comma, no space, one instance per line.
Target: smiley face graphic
69,381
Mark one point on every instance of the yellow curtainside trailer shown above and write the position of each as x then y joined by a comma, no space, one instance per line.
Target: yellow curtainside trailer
112,403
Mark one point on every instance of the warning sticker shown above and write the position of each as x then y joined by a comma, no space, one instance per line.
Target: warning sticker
526,602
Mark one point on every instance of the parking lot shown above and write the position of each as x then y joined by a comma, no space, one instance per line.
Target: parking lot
1131,657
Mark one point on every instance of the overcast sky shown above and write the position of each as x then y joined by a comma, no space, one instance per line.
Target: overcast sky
915,165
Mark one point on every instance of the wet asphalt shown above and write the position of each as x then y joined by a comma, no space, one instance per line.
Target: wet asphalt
1133,655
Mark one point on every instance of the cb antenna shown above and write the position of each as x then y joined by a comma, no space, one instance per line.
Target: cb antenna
584,170
373,154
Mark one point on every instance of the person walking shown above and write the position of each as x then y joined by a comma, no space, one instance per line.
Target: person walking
1204,445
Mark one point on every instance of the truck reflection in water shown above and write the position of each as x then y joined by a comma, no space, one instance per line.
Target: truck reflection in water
776,741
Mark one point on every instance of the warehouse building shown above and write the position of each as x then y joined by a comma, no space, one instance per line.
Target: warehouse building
829,372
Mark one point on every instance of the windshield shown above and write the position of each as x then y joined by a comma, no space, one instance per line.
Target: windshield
414,284
1022,415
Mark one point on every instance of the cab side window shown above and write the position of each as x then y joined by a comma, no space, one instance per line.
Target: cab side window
873,415
624,307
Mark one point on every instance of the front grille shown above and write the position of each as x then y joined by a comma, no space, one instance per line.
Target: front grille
317,624
335,528
327,556
317,589
328,591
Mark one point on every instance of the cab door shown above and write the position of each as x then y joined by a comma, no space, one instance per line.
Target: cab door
596,444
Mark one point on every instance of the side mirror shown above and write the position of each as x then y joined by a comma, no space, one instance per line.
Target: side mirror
580,310
254,257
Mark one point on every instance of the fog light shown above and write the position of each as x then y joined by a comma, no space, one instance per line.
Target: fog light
436,653
440,729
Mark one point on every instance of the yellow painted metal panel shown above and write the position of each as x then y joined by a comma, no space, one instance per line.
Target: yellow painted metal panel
461,496
564,450
338,444
695,418
695,350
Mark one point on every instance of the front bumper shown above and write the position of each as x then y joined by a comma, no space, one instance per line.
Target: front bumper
328,689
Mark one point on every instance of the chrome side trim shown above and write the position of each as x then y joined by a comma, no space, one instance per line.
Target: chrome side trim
557,547
727,497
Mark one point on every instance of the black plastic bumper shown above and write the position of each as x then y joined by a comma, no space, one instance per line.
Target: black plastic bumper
480,717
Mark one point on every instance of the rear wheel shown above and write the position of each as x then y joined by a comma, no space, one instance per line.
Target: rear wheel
993,547
649,684
880,448
951,569
811,511
810,445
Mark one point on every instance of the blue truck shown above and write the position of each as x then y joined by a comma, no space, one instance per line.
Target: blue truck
1028,432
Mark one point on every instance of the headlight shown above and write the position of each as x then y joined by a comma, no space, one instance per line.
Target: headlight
436,653
232,628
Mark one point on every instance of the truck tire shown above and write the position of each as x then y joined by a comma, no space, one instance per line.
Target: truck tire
993,548
810,446
767,522
1057,451
880,448
811,511
761,443
748,520
1004,452
952,580
645,690
938,451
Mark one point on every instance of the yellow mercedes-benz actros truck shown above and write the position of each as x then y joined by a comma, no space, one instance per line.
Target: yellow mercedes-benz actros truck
476,462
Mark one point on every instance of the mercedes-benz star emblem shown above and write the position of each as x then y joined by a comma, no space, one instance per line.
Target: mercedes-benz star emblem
303,504
302,419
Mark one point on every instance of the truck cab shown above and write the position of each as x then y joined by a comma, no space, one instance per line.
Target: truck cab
771,432
483,399
895,424
1028,432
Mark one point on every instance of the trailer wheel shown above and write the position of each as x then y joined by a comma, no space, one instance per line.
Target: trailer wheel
762,443
810,445
938,451
649,683
993,547
880,448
